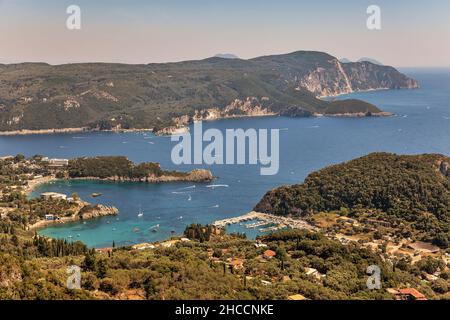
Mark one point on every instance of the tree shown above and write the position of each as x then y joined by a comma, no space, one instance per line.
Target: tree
89,262
442,240
15,240
75,196
19,157
102,268
149,288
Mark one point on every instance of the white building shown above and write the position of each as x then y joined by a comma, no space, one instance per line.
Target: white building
58,162
53,196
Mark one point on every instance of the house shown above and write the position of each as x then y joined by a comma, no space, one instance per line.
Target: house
169,243
236,263
380,223
49,217
406,294
53,196
313,273
423,247
104,250
431,277
260,245
143,246
269,254
297,297
58,162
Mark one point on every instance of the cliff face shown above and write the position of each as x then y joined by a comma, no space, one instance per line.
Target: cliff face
96,211
197,175
117,96
343,78
248,107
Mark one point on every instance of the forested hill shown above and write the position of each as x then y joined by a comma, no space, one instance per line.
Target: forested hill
39,96
413,188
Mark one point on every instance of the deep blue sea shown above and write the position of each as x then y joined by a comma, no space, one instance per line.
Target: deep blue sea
421,125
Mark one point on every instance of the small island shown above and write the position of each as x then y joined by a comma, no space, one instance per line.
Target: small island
121,169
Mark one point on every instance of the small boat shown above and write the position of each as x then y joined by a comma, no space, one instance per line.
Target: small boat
136,230
190,198
154,228
140,213
95,195
180,217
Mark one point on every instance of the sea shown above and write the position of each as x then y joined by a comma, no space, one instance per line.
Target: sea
421,124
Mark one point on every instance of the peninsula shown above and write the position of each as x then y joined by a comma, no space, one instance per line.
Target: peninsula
334,227
165,98
20,176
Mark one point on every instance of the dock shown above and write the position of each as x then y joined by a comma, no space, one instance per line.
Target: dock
279,222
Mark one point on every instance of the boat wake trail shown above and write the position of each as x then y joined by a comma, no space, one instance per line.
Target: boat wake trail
214,186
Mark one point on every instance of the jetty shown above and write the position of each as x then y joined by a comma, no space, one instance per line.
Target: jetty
264,219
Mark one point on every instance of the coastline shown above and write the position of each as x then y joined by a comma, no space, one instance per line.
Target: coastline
182,128
34,184
169,131
173,130
99,211
358,91
196,175
27,132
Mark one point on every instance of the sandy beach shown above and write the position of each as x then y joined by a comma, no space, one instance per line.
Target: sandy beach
33,184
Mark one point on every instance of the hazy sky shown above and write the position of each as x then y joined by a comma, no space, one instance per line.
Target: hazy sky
414,32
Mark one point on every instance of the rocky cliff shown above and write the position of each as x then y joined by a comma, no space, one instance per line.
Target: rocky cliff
197,175
248,107
37,96
96,211
344,78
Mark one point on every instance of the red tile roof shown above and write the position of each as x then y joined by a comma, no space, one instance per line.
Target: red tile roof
412,292
269,253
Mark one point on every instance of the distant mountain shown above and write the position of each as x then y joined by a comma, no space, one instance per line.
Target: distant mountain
345,60
365,59
226,56
118,96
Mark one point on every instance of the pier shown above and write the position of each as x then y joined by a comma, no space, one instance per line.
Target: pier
279,222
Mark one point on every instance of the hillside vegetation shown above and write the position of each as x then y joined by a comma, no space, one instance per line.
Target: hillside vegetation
225,267
117,96
116,166
413,189
211,264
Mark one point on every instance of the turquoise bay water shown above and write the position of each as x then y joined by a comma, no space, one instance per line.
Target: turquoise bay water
421,125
